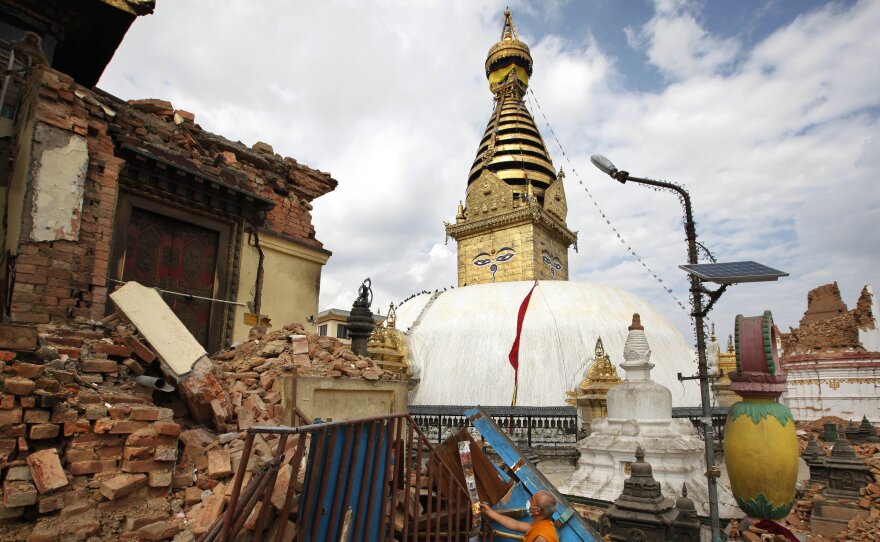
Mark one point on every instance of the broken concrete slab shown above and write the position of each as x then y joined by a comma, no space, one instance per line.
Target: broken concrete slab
167,335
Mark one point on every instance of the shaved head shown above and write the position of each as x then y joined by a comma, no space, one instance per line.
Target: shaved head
546,501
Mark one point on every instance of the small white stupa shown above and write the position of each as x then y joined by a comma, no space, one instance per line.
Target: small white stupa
640,414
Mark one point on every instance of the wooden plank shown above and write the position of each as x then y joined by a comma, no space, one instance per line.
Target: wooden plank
18,337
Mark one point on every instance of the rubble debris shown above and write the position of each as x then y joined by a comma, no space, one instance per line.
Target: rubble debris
87,453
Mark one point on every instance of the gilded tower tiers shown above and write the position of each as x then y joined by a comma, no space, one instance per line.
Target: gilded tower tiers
512,223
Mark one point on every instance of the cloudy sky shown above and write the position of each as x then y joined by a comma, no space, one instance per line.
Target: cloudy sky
767,111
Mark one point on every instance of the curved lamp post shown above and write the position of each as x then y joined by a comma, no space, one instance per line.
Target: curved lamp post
699,312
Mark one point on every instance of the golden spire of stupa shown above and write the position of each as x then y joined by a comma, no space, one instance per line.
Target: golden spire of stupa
512,224
512,146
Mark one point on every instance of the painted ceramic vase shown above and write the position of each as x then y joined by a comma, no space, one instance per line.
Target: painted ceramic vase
760,446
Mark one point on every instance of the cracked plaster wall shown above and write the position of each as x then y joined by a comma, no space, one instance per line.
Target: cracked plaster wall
58,170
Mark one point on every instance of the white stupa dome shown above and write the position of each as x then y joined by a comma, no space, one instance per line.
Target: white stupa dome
459,342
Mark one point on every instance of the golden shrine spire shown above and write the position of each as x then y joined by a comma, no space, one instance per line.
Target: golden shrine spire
512,226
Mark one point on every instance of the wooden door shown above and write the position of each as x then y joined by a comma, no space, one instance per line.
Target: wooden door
176,256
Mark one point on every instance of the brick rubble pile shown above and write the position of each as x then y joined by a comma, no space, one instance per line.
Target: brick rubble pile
859,529
87,454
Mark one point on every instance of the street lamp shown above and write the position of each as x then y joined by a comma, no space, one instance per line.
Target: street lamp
723,274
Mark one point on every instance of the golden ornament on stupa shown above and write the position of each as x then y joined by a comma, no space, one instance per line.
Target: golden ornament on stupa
592,393
387,346
724,396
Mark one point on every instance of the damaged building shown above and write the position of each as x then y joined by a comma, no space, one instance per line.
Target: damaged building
98,191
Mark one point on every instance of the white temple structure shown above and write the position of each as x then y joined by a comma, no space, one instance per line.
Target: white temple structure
512,234
640,414
459,341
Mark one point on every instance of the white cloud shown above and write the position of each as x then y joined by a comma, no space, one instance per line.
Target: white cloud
776,141
678,45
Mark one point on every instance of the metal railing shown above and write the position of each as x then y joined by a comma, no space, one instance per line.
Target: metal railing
526,426
369,479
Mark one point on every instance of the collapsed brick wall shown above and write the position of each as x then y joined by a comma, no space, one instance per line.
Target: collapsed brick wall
60,280
66,278
823,303
827,326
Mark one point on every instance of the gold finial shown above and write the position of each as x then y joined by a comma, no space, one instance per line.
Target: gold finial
508,54
392,316
730,343
561,174
712,334
509,30
459,215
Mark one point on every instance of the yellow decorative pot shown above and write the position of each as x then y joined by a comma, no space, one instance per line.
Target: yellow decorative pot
760,445
760,449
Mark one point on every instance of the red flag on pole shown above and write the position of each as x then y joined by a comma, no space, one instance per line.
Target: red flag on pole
514,350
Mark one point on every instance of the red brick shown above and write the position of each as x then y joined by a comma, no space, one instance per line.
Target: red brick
122,485
99,366
51,503
13,431
146,413
45,533
161,530
19,386
161,478
219,464
28,370
65,377
140,349
30,317
64,416
46,470
119,412
42,431
134,366
133,523
183,476
74,342
79,426
126,426
6,355
110,452
36,415
118,350
72,353
145,465
91,467
7,402
210,511
170,429
19,493
136,452
10,416
95,412
73,455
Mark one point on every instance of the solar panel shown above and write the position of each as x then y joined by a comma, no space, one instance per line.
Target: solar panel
733,272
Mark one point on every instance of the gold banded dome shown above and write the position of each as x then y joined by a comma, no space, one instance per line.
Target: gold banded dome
507,53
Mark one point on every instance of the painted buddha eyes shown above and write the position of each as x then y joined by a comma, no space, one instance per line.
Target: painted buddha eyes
482,259
504,254
553,263
496,257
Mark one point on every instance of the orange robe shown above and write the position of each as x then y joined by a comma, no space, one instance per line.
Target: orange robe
543,528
